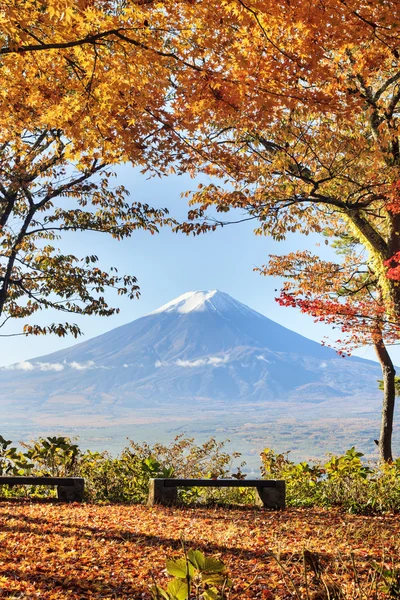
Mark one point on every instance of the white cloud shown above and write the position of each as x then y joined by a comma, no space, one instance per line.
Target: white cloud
213,361
49,366
24,365
216,361
160,363
323,365
261,357
200,362
90,364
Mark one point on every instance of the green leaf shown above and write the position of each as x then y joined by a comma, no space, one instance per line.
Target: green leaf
197,559
178,590
180,568
213,565
213,579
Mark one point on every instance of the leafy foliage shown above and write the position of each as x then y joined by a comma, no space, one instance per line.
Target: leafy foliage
12,462
54,456
124,478
344,481
396,383
43,195
183,458
98,72
349,295
195,576
295,111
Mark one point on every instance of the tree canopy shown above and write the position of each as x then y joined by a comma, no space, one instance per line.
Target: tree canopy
296,109
102,72
43,195
73,102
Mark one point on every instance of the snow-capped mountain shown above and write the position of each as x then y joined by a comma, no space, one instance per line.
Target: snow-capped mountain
203,352
202,344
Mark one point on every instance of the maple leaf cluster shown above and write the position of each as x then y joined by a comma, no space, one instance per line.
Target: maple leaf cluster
343,294
393,265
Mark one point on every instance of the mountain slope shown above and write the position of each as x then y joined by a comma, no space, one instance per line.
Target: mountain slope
200,351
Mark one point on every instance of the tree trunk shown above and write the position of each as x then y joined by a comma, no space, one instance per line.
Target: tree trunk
389,394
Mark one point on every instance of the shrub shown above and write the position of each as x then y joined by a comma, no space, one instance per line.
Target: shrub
183,458
344,481
118,479
12,462
54,456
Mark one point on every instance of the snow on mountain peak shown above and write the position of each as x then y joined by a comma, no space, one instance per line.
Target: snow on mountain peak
189,302
202,301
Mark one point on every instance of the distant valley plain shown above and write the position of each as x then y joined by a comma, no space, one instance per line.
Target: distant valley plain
306,432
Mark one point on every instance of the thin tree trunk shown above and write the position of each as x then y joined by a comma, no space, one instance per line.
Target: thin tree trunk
389,394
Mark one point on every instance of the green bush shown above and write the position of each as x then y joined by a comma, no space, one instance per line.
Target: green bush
344,481
54,456
185,459
119,479
12,462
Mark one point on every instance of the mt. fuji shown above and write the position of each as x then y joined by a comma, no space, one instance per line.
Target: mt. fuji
200,355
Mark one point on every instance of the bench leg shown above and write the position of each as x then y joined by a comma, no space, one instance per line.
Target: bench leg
71,493
159,494
272,497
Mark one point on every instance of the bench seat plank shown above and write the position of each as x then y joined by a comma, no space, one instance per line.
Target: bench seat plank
257,483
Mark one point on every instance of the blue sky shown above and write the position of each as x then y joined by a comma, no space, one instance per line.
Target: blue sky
168,265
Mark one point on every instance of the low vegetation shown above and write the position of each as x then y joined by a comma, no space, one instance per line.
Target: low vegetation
345,481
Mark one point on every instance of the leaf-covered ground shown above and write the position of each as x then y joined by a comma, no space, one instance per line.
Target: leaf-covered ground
55,551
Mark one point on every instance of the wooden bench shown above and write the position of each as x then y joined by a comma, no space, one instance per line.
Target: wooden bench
271,492
69,489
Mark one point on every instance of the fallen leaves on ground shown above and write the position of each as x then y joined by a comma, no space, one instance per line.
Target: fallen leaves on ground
53,551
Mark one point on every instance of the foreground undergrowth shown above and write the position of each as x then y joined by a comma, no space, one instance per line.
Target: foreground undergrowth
55,551
345,481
